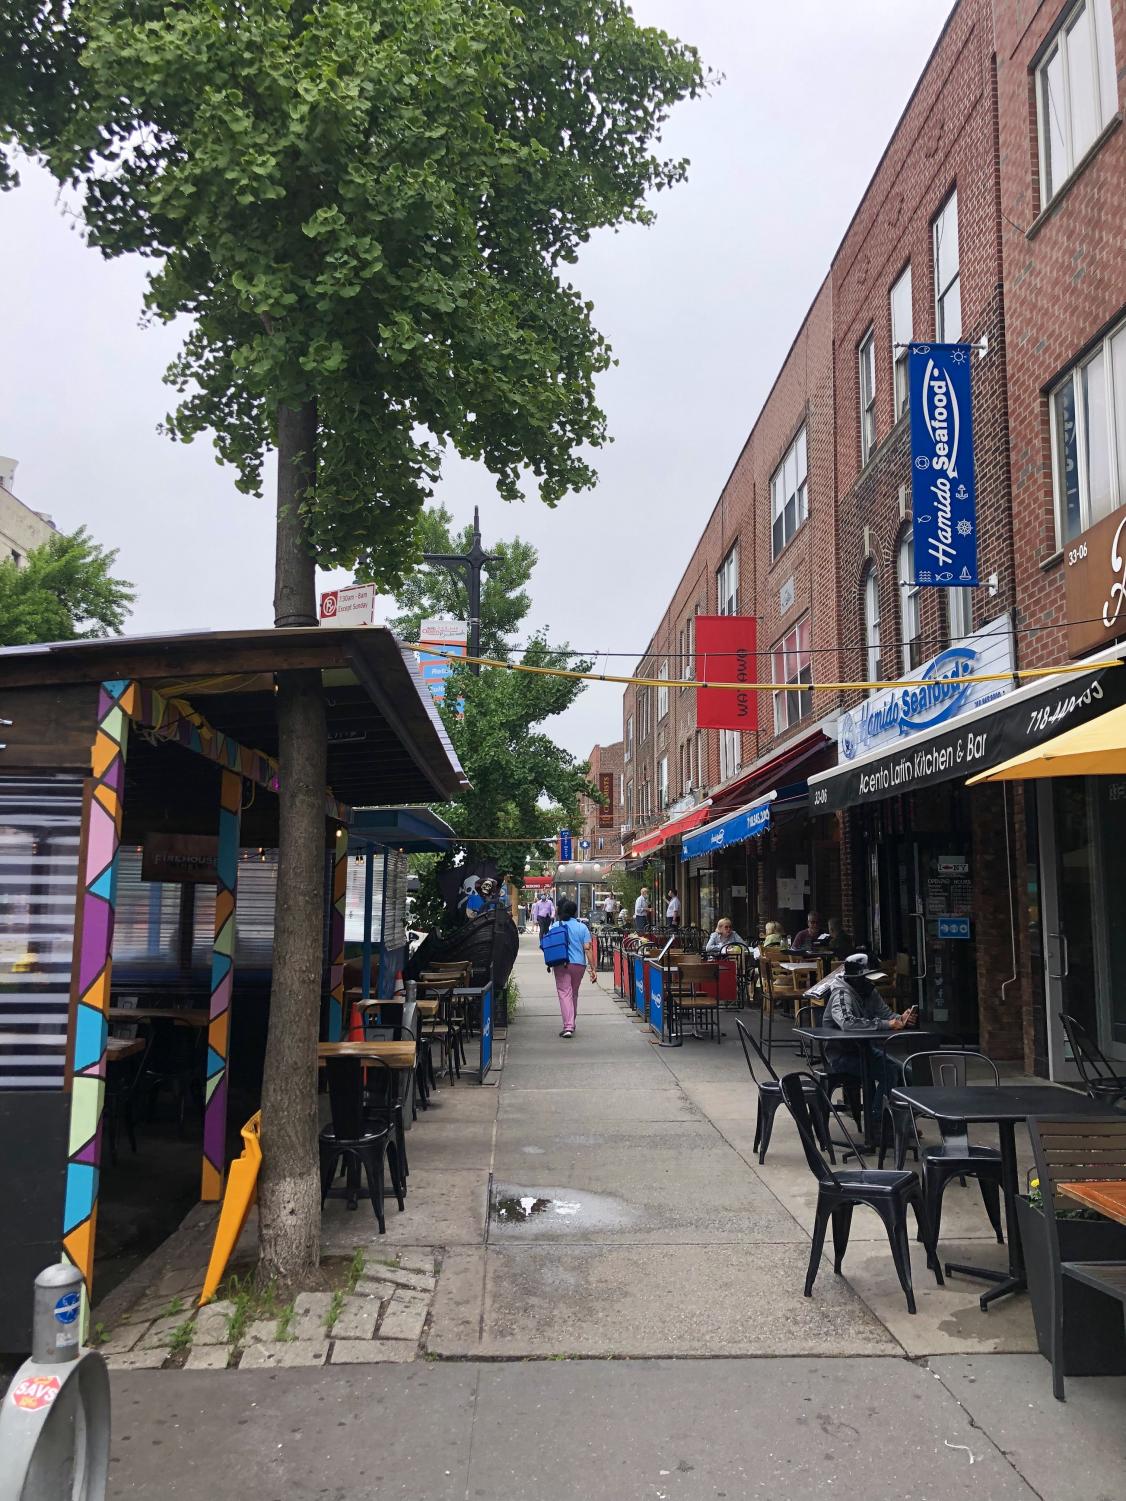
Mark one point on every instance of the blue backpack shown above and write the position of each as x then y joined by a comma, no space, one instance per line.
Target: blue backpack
553,945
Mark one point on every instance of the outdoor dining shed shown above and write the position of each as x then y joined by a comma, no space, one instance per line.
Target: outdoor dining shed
116,741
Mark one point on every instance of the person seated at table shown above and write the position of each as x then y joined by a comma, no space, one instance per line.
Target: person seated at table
774,937
852,1003
807,937
840,944
724,934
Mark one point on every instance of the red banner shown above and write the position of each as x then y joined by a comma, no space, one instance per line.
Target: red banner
606,788
725,653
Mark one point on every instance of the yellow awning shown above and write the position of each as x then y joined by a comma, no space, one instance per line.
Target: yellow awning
1097,749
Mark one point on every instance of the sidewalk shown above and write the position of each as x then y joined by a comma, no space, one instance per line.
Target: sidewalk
630,1220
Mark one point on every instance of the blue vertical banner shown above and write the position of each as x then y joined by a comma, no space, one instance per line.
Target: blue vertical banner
943,488
566,851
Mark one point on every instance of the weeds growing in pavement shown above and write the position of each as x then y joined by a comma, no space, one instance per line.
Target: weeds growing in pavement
175,1306
181,1341
356,1269
285,1323
335,1309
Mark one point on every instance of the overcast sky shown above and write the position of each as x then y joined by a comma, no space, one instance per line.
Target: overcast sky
700,310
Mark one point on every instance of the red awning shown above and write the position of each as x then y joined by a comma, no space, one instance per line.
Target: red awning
768,774
539,881
691,820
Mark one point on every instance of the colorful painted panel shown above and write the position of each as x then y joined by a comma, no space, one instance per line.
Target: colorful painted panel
117,701
222,979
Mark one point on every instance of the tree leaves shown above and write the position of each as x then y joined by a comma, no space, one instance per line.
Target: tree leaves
65,591
365,203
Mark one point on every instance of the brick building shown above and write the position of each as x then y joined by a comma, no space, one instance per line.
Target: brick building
1062,164
601,822
996,218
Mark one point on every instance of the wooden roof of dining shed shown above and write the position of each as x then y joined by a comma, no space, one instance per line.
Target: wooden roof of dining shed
387,743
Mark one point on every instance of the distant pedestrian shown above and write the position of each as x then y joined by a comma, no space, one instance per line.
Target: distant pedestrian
672,911
641,911
543,910
580,956
609,908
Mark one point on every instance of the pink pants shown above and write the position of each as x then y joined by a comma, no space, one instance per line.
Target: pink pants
568,978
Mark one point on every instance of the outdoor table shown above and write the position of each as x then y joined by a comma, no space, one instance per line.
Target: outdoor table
864,1038
122,1047
1004,1106
186,1016
396,1055
1108,1198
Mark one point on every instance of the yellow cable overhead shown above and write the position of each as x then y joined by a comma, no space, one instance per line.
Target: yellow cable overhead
607,677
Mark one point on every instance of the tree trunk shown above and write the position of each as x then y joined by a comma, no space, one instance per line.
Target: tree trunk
289,1206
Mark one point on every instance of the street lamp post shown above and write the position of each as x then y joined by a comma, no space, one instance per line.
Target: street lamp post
468,565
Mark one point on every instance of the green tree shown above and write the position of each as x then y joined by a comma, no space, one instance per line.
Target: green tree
65,591
364,207
524,786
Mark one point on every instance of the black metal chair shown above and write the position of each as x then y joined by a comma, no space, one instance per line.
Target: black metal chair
174,1061
955,1156
770,1098
1068,1150
897,1120
386,1089
1099,1079
829,1078
123,1083
355,1143
839,1192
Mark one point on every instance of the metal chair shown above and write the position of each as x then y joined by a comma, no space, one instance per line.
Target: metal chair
956,1156
830,1079
355,1143
1099,1079
839,1192
770,1098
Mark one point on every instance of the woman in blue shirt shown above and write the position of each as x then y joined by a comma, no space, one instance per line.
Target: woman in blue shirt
580,956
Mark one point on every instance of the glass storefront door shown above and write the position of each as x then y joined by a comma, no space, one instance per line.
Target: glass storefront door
937,929
1083,858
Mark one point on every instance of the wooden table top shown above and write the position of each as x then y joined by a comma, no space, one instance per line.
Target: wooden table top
1108,1198
427,1006
123,1047
187,1016
394,1054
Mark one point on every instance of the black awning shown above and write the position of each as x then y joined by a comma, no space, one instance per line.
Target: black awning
973,742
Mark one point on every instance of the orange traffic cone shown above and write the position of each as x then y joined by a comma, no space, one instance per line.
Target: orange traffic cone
400,991
356,1025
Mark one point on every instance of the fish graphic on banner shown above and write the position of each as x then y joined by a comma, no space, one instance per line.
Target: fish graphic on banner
943,487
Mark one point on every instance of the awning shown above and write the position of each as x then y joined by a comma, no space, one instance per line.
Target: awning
1097,749
745,823
408,829
759,778
976,740
676,826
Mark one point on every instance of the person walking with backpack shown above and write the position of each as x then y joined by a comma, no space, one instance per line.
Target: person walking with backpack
567,950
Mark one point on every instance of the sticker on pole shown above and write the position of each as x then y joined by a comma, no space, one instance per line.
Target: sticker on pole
66,1309
33,1393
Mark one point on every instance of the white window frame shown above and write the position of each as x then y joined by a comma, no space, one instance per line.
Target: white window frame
727,584
730,753
629,804
628,753
959,614
946,225
701,761
644,713
866,386
662,692
1103,86
787,666
663,783
786,520
901,336
872,625
1108,349
910,615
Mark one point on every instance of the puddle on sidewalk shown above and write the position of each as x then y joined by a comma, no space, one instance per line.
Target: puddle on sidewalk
556,1209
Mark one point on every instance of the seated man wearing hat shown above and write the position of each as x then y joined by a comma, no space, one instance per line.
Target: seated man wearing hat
853,1003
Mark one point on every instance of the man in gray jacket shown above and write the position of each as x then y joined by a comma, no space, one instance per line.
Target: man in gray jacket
853,1003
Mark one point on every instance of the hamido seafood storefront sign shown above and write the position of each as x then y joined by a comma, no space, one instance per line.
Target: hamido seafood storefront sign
943,487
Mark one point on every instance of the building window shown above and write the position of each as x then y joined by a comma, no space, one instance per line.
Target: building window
872,626
1089,438
701,762
644,723
947,279
727,585
791,663
902,326
789,494
1076,92
909,602
959,614
628,754
867,395
662,691
663,782
730,753
629,805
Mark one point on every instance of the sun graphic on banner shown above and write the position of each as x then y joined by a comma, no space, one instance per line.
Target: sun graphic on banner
958,357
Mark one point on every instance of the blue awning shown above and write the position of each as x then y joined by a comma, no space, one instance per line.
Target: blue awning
744,823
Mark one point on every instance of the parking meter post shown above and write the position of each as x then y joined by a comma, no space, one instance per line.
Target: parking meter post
56,1317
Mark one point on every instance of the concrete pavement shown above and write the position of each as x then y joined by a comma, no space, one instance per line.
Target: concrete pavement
630,1223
